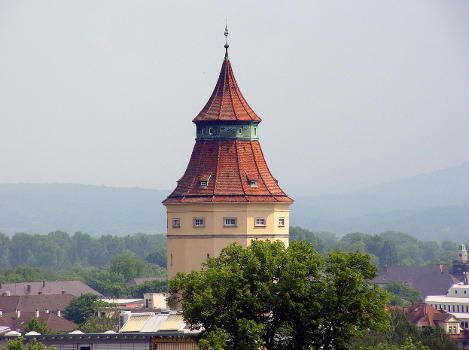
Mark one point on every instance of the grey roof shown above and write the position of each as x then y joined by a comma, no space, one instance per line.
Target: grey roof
76,288
31,303
428,280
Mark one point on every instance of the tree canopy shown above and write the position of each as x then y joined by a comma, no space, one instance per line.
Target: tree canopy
281,298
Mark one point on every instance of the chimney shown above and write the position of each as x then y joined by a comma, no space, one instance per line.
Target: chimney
28,288
18,313
43,284
37,313
59,313
441,268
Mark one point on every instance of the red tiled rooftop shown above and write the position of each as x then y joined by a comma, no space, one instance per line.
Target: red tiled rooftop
229,165
226,103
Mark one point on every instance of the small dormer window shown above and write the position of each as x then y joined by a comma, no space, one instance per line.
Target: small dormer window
253,183
210,131
204,179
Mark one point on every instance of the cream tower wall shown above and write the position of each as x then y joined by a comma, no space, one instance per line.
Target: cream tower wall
188,246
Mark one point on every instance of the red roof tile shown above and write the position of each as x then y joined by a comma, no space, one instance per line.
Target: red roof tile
226,103
424,314
229,164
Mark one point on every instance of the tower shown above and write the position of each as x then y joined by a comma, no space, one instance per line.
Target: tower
227,193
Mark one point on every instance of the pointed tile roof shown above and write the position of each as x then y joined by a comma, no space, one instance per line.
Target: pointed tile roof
227,170
229,165
227,102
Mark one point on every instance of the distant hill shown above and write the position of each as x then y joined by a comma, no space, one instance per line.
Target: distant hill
42,208
430,206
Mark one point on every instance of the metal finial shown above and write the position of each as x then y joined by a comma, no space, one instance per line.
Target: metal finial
226,38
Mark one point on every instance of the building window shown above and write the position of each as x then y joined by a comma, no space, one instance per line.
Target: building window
171,259
229,222
210,131
255,131
281,222
203,183
240,130
176,223
208,255
253,183
259,222
199,222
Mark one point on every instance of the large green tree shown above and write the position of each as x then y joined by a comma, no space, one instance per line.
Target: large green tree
274,297
83,307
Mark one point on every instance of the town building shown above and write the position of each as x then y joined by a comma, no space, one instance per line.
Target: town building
455,302
227,193
18,320
76,288
33,303
428,280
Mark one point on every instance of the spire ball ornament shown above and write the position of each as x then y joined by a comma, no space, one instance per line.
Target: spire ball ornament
226,37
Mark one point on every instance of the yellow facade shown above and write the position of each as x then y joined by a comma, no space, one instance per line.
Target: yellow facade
200,230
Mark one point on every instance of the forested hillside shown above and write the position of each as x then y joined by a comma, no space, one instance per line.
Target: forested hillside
432,206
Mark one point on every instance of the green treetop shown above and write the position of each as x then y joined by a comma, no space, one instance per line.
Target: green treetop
274,297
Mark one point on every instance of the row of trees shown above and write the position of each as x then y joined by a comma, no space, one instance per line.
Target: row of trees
110,280
58,250
387,248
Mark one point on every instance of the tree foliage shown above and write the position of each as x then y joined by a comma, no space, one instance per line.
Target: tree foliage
35,325
33,344
83,307
402,334
388,248
281,298
403,292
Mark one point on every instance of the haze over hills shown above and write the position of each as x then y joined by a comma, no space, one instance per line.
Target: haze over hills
431,206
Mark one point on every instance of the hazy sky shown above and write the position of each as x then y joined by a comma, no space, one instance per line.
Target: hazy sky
351,92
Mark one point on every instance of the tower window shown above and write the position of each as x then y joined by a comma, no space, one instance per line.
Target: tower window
259,222
229,222
176,223
255,131
199,222
240,130
281,222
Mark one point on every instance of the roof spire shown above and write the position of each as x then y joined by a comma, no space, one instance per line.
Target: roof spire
226,39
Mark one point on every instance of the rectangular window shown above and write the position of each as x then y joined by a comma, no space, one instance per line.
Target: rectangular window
199,222
176,223
259,222
210,131
203,183
281,222
253,183
229,222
